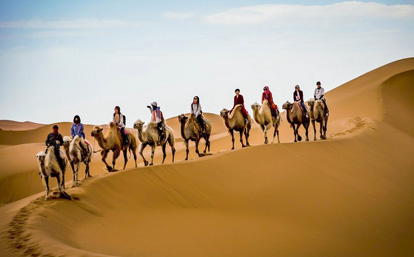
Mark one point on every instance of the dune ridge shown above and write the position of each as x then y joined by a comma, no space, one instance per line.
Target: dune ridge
352,195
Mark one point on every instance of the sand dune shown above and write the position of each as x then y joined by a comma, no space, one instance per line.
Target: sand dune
351,195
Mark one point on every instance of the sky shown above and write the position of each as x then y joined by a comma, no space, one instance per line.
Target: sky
63,58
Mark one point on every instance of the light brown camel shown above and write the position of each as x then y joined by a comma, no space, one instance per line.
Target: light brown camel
112,142
318,114
235,121
295,117
75,155
263,116
49,167
190,130
151,137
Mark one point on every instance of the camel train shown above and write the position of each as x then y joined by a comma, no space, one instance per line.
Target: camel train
191,129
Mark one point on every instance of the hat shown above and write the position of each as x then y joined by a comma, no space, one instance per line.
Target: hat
297,86
318,83
154,103
266,88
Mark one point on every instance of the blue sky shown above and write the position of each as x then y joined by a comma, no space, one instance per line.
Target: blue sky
61,58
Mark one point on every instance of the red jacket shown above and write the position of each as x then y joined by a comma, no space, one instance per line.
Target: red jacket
268,96
238,100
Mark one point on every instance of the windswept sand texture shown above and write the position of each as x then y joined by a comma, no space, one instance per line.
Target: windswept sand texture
351,195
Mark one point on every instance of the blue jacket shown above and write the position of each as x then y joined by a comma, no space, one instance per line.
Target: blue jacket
77,129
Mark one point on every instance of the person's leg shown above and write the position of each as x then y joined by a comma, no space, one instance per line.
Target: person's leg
123,135
201,122
244,112
324,103
59,158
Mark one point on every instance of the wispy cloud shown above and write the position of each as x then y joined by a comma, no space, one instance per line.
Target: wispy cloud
66,24
290,13
179,15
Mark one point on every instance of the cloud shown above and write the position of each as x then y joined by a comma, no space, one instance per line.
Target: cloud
66,24
179,15
291,13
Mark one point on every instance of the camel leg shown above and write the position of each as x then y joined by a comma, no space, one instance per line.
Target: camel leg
152,154
325,128
247,134
306,126
125,157
116,154
61,189
241,138
264,129
164,154
232,138
205,148
186,149
46,178
197,141
104,154
86,171
75,175
314,130
294,131
134,151
141,150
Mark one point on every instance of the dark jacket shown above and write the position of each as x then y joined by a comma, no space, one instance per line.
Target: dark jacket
52,138
300,96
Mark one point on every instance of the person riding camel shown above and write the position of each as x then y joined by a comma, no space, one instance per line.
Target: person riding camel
238,99
55,139
120,120
298,97
267,95
319,95
77,130
157,118
198,113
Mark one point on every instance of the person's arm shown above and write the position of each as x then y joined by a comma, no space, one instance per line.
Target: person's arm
81,133
294,100
270,97
314,94
241,101
192,111
72,130
263,96
47,140
121,120
322,93
199,110
60,139
301,95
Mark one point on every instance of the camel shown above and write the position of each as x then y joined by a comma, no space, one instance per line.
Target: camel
295,117
73,151
235,121
263,116
318,114
190,130
151,137
112,142
49,167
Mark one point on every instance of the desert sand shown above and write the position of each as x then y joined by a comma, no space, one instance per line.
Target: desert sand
349,195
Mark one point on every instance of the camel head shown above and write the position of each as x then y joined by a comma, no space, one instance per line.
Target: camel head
255,106
224,113
138,124
310,103
182,118
66,142
112,125
286,105
96,131
41,157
